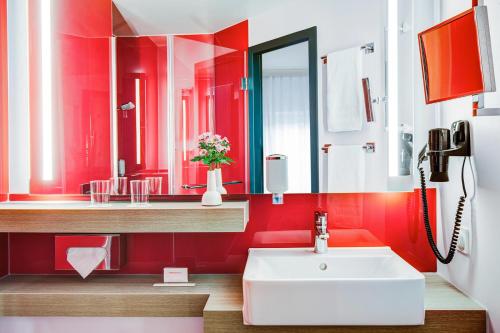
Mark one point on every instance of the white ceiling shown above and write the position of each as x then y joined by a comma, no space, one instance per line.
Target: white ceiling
159,17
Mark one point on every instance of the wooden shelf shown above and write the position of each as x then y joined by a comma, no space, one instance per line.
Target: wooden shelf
109,296
120,217
218,298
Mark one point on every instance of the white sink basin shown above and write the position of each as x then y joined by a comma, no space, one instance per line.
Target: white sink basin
346,286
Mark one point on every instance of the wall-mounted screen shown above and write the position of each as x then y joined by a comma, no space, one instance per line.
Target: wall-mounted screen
456,57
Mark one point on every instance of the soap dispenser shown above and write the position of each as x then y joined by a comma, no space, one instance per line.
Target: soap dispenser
277,176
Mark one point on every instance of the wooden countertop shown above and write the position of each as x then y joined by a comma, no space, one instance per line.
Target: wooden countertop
218,298
121,217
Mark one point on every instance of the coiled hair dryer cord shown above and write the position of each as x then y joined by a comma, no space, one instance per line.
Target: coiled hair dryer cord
458,219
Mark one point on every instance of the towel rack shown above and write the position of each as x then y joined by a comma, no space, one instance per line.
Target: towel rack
197,186
368,147
368,48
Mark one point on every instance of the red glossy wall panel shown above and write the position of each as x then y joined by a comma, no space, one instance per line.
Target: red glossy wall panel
79,65
145,59
231,116
4,153
357,219
4,254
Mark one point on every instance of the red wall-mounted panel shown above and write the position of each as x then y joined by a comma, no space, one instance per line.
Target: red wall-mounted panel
4,147
451,59
357,219
77,125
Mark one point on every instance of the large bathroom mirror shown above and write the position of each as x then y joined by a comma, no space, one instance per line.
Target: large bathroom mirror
126,88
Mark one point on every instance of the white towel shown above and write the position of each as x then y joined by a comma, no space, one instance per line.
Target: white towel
346,168
85,259
344,90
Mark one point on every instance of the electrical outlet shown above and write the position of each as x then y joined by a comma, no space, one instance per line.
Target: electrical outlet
463,244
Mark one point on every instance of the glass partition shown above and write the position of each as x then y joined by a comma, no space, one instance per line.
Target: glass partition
70,104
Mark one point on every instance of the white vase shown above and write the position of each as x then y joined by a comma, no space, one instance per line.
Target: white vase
218,181
211,197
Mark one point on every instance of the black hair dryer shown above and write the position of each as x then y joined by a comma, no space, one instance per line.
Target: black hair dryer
438,150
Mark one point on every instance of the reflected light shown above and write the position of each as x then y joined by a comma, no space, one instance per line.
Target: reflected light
392,73
211,113
46,62
184,134
138,107
114,107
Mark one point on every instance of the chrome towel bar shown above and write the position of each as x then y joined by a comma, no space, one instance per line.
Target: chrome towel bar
369,147
197,186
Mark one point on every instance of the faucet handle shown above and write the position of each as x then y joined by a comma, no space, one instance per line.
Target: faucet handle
322,234
321,218
321,222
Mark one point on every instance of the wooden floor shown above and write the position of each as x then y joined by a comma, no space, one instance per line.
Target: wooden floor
218,298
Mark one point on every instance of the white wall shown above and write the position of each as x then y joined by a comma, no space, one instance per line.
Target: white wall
341,24
478,274
425,15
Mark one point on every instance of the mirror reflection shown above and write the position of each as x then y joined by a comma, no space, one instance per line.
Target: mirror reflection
286,115
141,118
330,85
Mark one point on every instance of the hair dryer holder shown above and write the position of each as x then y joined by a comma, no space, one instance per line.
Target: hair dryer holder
460,132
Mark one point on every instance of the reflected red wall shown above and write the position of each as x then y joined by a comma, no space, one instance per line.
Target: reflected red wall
194,81
208,73
81,95
358,219
143,58
231,116
4,153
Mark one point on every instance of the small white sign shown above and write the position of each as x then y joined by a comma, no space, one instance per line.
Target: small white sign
174,274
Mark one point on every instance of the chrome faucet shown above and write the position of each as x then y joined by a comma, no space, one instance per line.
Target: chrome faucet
322,235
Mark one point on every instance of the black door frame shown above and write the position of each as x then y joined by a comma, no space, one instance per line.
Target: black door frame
256,150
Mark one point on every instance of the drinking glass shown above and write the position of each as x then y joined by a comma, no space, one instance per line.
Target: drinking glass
118,185
139,192
154,185
99,192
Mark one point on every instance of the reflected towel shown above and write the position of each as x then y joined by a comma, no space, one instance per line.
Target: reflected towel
346,168
344,90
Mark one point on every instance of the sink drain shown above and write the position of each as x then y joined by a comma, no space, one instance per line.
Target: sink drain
323,266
